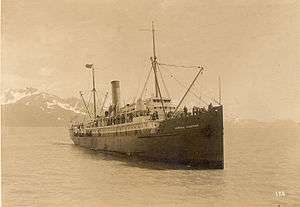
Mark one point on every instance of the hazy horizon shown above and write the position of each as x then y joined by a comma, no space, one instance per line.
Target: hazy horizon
254,47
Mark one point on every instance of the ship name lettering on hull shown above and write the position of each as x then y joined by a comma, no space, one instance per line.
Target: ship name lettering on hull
190,126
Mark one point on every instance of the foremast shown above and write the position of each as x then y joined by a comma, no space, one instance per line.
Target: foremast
91,66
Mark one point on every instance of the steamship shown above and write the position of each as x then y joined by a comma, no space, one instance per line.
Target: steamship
154,128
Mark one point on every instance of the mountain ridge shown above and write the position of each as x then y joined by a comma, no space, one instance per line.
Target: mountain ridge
32,107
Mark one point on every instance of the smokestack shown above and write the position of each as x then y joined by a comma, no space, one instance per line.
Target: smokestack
115,90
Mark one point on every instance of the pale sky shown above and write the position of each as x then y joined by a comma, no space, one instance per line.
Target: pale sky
253,45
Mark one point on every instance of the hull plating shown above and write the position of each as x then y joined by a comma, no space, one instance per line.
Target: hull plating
193,140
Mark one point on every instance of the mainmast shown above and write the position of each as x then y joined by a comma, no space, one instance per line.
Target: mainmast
154,61
154,66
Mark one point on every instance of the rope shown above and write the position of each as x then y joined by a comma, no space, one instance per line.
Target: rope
206,96
179,66
185,87
163,81
147,79
89,101
98,105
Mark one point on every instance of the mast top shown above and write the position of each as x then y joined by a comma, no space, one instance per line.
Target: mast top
153,41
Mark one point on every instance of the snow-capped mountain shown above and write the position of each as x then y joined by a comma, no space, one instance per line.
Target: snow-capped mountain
31,107
13,95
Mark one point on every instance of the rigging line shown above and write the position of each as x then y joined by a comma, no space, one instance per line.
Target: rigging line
98,105
158,88
209,98
163,81
87,106
183,86
75,95
206,96
103,103
89,101
145,85
192,90
178,66
198,86
194,93
84,103
86,91
208,90
191,85
139,82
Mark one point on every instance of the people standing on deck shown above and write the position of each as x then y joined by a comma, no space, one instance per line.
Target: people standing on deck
185,110
210,107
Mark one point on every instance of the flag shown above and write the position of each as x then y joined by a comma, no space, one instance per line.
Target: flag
88,65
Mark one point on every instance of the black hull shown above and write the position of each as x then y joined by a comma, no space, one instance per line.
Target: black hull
191,140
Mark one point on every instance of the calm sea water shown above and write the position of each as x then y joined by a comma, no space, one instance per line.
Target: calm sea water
41,167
